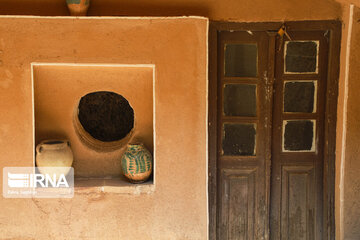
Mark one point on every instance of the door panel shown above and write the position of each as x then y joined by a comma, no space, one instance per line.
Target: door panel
238,203
242,72
297,202
298,134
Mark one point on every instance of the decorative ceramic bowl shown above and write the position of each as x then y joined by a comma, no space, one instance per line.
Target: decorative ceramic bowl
136,163
78,7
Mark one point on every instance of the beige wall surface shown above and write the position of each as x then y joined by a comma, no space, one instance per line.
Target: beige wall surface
351,199
177,209
340,128
235,10
57,91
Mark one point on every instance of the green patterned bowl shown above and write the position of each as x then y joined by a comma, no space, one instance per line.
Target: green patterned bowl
136,163
78,7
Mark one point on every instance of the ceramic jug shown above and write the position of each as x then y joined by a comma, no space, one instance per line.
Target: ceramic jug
54,153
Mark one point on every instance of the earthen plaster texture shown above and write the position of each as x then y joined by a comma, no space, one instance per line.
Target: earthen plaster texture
351,186
177,209
57,91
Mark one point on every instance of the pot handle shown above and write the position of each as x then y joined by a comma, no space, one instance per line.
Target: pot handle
38,149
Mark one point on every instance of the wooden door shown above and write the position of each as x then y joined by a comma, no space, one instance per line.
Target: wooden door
272,115
298,137
242,135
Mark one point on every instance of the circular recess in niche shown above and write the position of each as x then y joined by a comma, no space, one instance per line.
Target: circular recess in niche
104,121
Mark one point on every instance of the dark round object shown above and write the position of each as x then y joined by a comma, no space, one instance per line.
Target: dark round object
106,116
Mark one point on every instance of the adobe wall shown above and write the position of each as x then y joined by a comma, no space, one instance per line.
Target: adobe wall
177,208
351,199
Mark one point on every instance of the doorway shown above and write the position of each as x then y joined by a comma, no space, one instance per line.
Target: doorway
272,118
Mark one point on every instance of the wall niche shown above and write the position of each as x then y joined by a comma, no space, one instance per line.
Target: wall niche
99,108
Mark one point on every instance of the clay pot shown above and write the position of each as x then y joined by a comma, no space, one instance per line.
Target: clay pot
136,163
78,7
54,153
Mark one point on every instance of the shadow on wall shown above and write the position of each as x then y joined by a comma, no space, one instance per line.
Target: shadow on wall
102,8
230,10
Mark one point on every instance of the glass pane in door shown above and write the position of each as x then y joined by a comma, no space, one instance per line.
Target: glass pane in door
240,100
241,60
300,96
239,139
298,135
301,57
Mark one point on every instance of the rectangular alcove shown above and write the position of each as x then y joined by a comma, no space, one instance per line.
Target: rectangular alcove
57,90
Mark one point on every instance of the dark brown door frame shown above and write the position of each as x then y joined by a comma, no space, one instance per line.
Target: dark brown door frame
334,29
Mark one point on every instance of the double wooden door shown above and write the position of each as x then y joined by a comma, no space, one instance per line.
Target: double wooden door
270,177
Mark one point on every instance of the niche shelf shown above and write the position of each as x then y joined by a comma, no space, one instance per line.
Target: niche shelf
57,90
